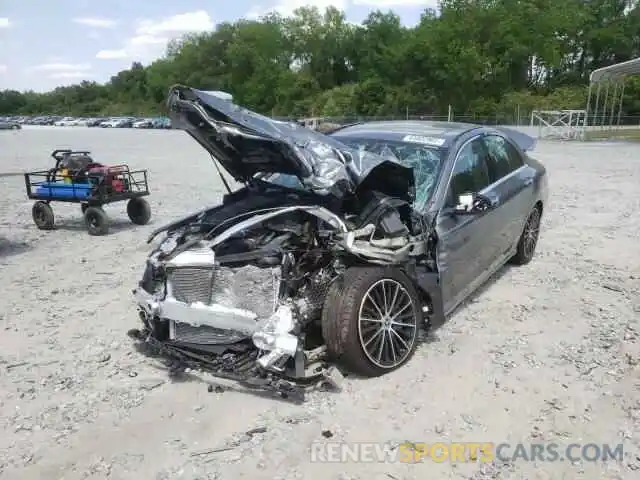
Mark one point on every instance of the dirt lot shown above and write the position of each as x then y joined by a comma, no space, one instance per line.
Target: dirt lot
546,353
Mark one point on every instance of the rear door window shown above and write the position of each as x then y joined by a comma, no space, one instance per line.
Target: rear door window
515,159
503,157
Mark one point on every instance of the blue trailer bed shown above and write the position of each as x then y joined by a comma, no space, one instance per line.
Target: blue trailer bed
62,190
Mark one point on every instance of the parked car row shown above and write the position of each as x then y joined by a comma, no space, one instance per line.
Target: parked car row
7,124
104,122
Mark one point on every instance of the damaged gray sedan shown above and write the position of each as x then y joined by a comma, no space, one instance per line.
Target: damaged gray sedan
338,249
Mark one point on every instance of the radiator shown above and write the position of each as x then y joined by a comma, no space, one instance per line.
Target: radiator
203,335
191,284
248,288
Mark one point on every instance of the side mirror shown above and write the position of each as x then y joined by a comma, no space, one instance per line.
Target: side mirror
469,203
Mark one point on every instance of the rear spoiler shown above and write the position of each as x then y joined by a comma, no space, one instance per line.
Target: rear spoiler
524,141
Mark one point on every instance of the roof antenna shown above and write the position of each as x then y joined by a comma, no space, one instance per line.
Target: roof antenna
215,162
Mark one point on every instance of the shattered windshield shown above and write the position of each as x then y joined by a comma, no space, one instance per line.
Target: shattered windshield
425,161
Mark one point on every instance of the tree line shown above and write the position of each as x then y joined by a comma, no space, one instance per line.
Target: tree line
490,57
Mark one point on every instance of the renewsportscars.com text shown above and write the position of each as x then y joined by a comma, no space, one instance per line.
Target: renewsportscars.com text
409,452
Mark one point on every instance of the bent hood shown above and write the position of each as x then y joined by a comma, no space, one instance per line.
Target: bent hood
247,143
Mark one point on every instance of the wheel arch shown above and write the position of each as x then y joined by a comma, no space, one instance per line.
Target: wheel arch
428,286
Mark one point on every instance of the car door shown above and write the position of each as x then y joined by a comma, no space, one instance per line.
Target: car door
462,239
511,190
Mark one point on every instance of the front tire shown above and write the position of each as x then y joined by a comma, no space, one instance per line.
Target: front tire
42,214
96,220
370,320
528,239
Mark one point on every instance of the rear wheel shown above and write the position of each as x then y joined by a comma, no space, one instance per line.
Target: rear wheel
96,220
371,320
529,239
139,211
42,214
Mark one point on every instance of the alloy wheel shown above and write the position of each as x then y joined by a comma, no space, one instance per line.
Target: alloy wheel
387,323
531,232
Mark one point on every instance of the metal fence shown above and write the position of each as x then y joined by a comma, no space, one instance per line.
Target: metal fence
524,119
470,118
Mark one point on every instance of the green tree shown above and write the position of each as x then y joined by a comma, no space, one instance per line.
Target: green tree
495,57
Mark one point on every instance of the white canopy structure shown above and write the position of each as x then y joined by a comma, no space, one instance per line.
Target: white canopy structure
616,71
608,83
603,110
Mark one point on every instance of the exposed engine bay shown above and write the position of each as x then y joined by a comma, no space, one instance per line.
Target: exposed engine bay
249,285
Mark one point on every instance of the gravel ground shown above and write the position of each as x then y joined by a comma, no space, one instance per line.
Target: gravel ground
545,353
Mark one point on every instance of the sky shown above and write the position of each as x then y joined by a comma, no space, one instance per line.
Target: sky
47,44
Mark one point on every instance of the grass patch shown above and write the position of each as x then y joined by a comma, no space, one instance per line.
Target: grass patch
631,134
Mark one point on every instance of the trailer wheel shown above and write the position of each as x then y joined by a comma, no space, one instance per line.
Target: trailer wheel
42,214
96,220
139,211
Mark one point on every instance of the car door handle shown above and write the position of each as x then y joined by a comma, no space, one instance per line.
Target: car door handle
528,182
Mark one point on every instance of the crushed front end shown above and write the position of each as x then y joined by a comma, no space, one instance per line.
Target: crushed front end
239,290
245,302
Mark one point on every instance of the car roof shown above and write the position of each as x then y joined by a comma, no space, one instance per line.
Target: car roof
444,132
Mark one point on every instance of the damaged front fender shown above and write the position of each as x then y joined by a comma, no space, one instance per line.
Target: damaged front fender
386,251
